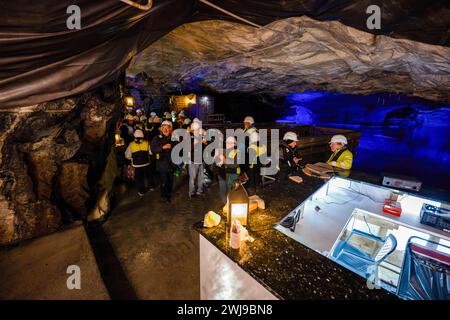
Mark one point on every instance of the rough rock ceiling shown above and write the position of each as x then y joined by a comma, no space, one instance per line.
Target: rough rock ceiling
293,55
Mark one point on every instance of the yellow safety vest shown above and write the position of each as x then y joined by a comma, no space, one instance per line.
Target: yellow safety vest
344,161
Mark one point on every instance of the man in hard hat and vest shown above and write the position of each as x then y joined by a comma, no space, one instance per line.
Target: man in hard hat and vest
162,148
152,126
251,168
342,157
138,152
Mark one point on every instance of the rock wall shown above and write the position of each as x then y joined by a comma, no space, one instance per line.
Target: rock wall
294,55
51,157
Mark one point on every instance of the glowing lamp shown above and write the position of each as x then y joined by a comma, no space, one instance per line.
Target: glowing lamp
129,101
238,204
191,99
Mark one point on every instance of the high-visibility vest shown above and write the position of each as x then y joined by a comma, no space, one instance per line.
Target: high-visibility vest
140,153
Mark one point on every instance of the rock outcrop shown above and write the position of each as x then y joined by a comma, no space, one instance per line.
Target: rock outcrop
294,55
51,157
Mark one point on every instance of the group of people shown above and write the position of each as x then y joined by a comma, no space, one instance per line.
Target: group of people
341,157
151,139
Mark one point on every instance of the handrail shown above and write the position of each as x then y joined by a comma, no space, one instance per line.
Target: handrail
146,7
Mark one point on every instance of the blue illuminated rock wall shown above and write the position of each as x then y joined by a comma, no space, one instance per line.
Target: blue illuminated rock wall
403,135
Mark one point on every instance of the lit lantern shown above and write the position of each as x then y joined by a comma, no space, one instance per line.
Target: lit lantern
238,204
119,140
129,101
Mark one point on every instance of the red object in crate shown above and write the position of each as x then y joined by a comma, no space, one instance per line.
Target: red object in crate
392,207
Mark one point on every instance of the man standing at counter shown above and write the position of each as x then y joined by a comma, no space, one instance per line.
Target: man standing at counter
342,157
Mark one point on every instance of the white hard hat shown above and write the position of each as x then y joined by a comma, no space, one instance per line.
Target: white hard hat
139,134
339,139
152,114
166,123
290,136
187,121
230,140
138,111
195,126
196,120
249,120
181,113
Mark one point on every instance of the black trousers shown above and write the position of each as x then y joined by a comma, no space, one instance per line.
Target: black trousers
254,177
142,174
166,183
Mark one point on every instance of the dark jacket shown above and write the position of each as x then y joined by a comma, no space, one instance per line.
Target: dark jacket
287,155
163,156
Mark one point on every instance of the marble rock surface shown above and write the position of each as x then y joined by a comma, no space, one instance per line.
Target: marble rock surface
294,55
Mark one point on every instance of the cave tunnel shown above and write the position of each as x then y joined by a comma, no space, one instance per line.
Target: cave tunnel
343,106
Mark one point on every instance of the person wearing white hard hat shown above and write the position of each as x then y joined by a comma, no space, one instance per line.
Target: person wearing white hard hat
195,165
289,154
186,124
167,116
251,142
162,148
225,168
127,128
152,126
138,152
342,157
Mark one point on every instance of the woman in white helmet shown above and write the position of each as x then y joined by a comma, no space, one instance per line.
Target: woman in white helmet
342,157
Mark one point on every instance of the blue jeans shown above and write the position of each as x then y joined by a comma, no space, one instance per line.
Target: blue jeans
196,177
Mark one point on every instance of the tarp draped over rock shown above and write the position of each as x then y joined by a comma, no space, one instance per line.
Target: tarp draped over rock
294,55
418,20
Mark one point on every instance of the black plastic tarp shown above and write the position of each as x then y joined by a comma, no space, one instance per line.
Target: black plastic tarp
41,60
419,20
